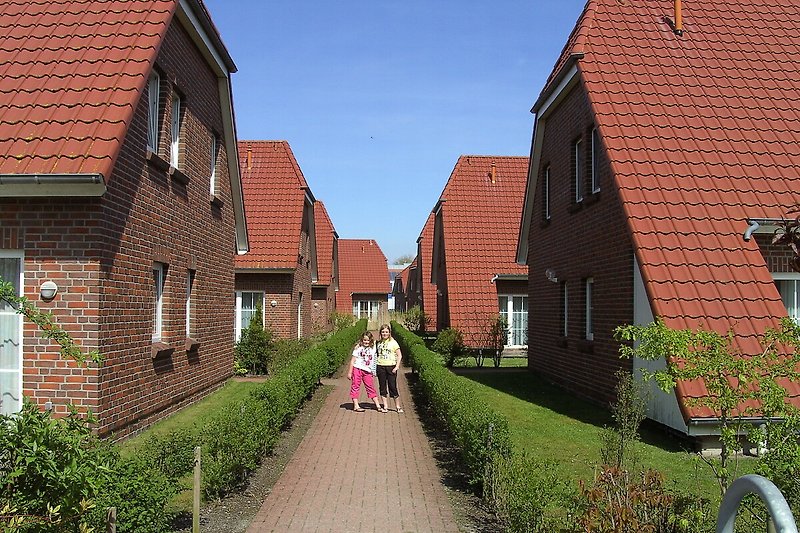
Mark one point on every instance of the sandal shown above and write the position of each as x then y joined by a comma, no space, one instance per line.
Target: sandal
400,410
359,410
383,410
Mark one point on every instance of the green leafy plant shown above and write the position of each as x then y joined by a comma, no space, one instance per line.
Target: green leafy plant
788,233
738,386
618,447
414,319
255,346
342,321
450,345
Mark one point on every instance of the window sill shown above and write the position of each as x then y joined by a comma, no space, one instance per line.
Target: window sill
191,344
178,175
156,161
215,200
161,349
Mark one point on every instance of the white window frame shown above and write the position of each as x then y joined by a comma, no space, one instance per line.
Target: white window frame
508,314
546,187
19,255
565,306
153,104
237,334
190,277
577,146
589,309
791,276
159,270
593,162
175,130
213,177
373,307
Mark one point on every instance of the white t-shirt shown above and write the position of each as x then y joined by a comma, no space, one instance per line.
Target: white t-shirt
364,358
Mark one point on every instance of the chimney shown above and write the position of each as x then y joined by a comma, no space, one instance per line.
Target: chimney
678,29
493,173
249,158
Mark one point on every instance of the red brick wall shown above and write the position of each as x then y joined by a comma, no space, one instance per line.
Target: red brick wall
101,251
580,241
323,304
777,256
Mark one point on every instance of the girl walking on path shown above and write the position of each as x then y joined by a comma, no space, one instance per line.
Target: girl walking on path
389,358
362,368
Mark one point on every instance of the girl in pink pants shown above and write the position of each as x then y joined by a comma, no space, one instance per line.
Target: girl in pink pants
362,368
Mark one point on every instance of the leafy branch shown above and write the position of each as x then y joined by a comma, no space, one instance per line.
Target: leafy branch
48,327
788,233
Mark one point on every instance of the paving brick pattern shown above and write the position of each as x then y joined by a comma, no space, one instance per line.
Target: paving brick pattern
359,472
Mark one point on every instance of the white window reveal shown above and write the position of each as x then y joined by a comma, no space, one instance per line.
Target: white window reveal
547,193
175,144
246,304
578,164
514,308
788,285
214,152
190,274
594,171
159,275
564,309
153,97
589,309
11,271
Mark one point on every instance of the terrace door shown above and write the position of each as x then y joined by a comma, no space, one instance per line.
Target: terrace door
10,337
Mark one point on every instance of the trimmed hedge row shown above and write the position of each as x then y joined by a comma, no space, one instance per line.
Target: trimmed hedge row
481,433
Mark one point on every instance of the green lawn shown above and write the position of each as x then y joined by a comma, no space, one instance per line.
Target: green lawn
231,391
550,424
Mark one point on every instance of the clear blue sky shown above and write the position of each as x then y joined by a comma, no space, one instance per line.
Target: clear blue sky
378,98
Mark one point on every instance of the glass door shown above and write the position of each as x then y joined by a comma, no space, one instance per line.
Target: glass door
10,337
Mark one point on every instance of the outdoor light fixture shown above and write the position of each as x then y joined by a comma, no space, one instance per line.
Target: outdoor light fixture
551,275
48,290
273,303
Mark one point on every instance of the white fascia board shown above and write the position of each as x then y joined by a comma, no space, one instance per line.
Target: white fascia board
192,24
232,149
568,81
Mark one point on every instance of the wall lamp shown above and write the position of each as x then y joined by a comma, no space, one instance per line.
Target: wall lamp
273,303
48,290
551,275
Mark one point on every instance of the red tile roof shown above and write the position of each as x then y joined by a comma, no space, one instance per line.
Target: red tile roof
274,197
73,73
426,288
480,223
702,132
362,270
325,234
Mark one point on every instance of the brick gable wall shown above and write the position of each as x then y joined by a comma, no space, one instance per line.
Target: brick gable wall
579,241
101,252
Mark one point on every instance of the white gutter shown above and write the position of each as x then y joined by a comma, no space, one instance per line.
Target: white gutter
19,185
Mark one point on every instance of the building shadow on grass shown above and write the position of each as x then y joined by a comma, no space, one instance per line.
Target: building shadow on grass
529,386
471,512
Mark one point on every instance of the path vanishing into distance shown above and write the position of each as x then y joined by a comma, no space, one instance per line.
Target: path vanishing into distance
360,473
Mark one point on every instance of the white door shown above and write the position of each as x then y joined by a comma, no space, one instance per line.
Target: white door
514,308
10,337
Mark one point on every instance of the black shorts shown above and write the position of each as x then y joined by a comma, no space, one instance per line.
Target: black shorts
387,379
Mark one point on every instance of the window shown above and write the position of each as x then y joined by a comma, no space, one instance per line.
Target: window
11,270
214,155
546,193
514,308
366,309
175,144
578,167
788,285
189,286
589,309
159,275
246,304
153,103
594,171
564,309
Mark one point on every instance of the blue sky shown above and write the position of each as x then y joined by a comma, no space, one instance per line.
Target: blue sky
379,98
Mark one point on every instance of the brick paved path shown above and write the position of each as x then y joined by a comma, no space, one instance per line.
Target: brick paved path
359,472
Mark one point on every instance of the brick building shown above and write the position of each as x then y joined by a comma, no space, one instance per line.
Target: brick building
278,271
421,288
657,156
475,229
363,281
119,183
323,289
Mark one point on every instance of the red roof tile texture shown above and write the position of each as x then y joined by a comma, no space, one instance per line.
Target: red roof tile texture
325,234
428,289
274,196
362,270
481,212
702,132
73,72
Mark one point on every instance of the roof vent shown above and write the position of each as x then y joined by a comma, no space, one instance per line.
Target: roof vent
249,158
493,173
677,24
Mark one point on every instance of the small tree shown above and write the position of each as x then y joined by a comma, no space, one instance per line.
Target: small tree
450,345
628,410
735,383
253,349
342,321
498,335
415,319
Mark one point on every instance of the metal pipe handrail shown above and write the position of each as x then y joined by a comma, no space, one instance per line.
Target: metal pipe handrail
771,496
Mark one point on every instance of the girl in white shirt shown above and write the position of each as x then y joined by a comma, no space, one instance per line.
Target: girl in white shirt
362,368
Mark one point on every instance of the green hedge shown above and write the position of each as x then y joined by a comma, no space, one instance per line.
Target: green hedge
481,433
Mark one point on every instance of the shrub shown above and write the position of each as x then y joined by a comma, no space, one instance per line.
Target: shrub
414,319
342,321
450,345
284,351
254,347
